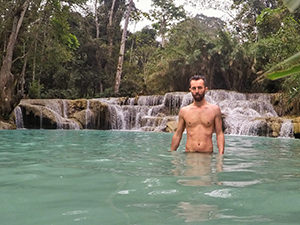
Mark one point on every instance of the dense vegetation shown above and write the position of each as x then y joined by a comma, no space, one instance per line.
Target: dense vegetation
62,49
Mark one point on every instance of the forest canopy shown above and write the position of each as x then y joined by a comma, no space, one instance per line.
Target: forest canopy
63,49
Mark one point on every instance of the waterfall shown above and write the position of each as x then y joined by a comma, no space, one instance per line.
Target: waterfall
87,114
244,114
19,117
58,119
59,109
44,114
242,111
41,118
286,129
173,101
147,113
65,108
65,121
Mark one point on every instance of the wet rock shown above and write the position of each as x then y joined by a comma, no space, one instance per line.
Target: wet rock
171,126
283,106
274,125
37,116
64,114
296,124
76,105
5,125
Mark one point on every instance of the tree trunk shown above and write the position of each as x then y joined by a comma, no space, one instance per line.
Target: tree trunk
110,28
96,19
21,80
34,60
9,97
163,32
122,49
97,36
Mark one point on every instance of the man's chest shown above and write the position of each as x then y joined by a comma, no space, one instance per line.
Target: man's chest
203,118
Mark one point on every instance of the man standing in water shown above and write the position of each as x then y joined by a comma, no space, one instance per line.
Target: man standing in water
200,119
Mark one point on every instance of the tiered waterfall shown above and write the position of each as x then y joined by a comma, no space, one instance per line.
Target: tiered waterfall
243,114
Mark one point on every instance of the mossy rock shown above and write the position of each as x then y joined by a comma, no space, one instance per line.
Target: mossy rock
4,125
296,123
171,126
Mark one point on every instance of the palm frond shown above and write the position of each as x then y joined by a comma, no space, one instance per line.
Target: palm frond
280,74
288,67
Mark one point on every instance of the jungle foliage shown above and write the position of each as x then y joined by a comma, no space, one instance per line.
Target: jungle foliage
64,49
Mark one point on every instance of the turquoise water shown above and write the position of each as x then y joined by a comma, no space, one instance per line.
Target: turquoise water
117,177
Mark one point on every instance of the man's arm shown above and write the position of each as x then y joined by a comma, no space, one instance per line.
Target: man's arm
178,133
219,131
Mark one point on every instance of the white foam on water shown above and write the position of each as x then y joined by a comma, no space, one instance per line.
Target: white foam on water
221,193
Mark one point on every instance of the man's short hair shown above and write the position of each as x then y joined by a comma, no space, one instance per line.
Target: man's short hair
197,77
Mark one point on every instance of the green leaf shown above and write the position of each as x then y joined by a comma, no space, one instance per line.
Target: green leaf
288,67
280,74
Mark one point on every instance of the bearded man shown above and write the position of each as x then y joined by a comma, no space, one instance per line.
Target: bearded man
200,119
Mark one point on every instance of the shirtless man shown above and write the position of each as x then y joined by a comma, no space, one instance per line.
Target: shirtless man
200,119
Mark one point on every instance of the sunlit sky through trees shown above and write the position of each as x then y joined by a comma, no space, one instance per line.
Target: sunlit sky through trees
192,10
220,9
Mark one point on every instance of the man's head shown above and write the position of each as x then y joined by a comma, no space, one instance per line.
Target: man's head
198,87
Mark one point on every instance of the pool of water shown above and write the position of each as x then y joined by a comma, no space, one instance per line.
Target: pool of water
117,177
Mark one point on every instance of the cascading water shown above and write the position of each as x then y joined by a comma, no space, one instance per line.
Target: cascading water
41,119
65,108
19,117
287,129
87,114
242,111
57,109
71,123
148,113
243,114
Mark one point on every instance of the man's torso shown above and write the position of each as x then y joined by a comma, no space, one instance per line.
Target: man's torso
199,122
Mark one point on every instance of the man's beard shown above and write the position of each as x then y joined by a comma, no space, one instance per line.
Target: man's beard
198,97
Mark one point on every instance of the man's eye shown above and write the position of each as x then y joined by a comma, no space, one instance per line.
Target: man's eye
195,88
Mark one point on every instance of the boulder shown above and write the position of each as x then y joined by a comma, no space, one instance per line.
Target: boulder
80,117
4,125
273,126
296,123
171,126
283,106
76,105
64,114
38,116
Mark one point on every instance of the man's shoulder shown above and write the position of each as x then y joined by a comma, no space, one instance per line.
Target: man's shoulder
211,105
215,108
186,108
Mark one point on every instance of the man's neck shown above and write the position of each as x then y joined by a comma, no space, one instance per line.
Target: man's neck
200,103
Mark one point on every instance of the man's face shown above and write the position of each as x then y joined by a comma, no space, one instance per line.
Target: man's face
198,89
